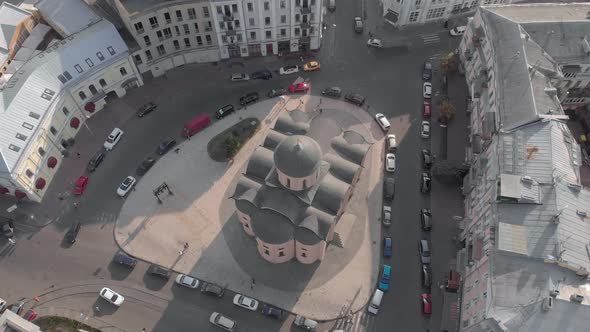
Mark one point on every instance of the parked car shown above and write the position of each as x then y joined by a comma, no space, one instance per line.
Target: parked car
17,307
126,186
166,146
427,109
286,70
224,111
427,71
145,166
8,229
249,98
388,188
187,281
387,247
426,158
212,289
424,250
31,315
385,278
80,185
390,162
354,98
270,311
245,302
382,121
358,24
299,87
426,276
95,161
195,125
159,271
113,139
386,215
112,296
276,92
458,31
146,109
305,323
332,91
425,129
73,232
425,183
391,143
426,300
374,42
311,66
222,321
123,259
239,77
3,305
261,75
426,219
427,90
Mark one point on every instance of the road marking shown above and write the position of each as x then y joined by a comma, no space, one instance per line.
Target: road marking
430,39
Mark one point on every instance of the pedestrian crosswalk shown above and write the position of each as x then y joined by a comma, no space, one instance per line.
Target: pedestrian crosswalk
362,321
431,38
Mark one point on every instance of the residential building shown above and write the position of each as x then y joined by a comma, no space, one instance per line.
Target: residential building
168,34
293,192
49,97
525,235
9,321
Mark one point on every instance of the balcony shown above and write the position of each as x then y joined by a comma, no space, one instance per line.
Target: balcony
306,10
305,25
230,32
228,18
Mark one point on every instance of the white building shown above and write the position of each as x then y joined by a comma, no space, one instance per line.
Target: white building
47,99
9,321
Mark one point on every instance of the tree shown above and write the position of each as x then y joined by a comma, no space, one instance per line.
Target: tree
448,64
446,111
450,172
232,145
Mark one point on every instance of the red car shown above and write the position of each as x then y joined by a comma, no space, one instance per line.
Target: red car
80,186
30,315
426,304
427,111
299,87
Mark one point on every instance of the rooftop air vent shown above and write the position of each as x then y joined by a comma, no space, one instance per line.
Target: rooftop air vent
581,213
576,298
554,292
574,186
586,45
547,303
527,179
551,91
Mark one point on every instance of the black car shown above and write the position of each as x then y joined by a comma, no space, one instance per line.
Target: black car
17,307
8,228
426,158
270,311
73,232
224,111
355,98
426,276
388,188
212,289
145,109
261,75
425,183
159,271
427,71
165,146
332,91
276,92
95,161
250,98
145,166
123,259
426,219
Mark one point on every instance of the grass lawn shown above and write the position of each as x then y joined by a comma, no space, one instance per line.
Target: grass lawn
225,145
61,324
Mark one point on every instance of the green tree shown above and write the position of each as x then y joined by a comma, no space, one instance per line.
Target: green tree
446,111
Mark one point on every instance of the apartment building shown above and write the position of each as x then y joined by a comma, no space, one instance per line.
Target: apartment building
525,234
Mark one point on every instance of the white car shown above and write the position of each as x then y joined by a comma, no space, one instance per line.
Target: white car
458,31
222,321
245,302
425,129
374,42
187,281
113,139
126,186
386,215
239,77
382,121
112,296
305,323
391,143
390,162
427,90
288,70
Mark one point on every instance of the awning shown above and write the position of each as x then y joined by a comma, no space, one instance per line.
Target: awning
3,190
75,123
51,162
19,194
90,107
40,183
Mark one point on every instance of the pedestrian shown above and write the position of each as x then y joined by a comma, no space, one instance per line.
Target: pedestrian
76,204
186,245
143,330
78,154
97,308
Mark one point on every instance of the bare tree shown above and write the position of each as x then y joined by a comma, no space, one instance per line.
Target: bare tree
446,111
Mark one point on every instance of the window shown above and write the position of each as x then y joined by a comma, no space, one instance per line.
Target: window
89,62
187,42
297,18
65,111
14,147
123,71
147,40
208,38
176,44
253,35
41,151
250,7
224,39
239,37
313,2
209,26
92,89
99,56
234,8
283,4
179,15
62,79
82,95
177,30
21,136
78,68
266,5
435,13
167,18
303,254
281,253
67,75
267,20
138,27
28,173
251,21
283,19
221,25
34,115
148,55
297,31
187,30
283,32
168,33
53,130
111,50
48,94
199,40
418,3
414,16
28,126
237,23
196,27
297,3
192,14
268,34
160,35
103,83
266,252
161,50
219,10
154,22
206,11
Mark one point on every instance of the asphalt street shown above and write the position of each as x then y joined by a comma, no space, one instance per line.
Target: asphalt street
390,79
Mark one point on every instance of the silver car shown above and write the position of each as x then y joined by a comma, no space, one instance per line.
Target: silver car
239,77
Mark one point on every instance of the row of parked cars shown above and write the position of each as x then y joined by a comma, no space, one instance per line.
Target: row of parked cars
18,308
266,74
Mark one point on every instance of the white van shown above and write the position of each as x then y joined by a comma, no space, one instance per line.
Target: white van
375,302
331,5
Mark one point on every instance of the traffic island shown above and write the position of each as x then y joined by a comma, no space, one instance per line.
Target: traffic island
62,324
225,145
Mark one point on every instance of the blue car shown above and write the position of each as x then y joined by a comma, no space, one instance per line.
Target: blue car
387,247
385,277
272,311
